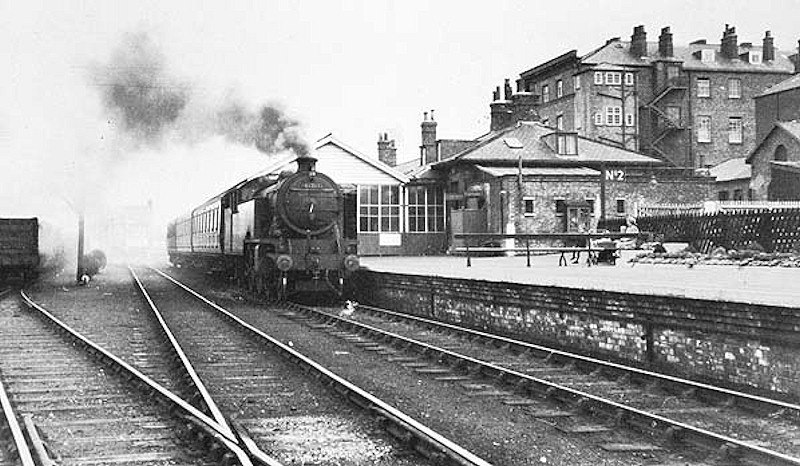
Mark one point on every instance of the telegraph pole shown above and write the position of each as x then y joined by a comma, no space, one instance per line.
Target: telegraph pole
79,271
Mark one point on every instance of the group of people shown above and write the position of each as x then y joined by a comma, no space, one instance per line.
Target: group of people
623,243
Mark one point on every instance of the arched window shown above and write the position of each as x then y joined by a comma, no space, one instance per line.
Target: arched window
780,153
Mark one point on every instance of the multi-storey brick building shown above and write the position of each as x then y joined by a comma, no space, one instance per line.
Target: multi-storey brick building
690,105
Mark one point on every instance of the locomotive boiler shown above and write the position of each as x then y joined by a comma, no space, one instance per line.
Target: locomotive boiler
277,234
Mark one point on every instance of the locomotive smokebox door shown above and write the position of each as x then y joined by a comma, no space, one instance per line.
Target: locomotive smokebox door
309,201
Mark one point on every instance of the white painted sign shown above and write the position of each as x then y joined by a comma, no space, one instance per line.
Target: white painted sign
390,239
615,175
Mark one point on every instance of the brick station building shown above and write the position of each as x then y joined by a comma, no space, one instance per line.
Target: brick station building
689,105
775,160
531,178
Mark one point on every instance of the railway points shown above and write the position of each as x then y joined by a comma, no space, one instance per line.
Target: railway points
90,408
516,432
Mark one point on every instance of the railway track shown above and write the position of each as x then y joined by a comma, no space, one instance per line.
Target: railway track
734,426
14,448
502,426
83,406
280,400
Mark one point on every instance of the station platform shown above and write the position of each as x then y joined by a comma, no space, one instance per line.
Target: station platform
777,286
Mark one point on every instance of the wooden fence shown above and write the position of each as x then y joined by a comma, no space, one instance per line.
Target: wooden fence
775,229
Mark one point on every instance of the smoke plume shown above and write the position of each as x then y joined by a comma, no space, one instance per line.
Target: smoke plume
138,89
153,103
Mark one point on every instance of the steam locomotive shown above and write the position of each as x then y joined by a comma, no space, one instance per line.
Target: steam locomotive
277,234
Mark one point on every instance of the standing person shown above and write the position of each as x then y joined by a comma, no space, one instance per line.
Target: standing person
579,243
630,227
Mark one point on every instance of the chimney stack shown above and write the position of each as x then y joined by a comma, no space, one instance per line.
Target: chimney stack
639,42
665,43
730,46
387,152
768,50
428,147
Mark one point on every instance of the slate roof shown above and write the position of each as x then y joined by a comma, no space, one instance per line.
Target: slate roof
733,169
791,83
539,171
495,150
618,52
792,128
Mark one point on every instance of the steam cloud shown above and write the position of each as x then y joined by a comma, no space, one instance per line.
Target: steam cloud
152,103
138,88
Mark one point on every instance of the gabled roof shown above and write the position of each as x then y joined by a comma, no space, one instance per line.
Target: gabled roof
792,128
535,150
331,139
730,170
791,83
618,52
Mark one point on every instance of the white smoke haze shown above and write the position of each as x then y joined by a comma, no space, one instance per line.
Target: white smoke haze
127,131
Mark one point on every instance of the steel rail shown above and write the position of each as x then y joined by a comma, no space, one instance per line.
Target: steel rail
21,447
190,412
778,404
221,420
681,430
447,449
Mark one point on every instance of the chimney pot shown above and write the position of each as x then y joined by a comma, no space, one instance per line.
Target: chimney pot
729,47
768,47
639,42
665,48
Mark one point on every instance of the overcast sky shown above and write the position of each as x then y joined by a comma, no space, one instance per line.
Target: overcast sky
351,68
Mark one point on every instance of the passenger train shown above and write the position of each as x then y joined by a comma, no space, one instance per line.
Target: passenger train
278,234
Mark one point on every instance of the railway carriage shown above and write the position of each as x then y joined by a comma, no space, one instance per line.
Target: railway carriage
278,234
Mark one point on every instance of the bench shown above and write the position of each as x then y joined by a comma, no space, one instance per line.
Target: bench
562,261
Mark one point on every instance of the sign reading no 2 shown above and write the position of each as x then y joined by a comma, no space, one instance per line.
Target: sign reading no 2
615,175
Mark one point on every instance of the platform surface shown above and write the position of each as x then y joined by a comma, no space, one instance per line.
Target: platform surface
778,286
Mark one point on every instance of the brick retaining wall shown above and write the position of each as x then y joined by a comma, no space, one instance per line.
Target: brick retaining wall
732,343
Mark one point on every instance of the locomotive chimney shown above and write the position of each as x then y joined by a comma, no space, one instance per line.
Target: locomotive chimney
306,163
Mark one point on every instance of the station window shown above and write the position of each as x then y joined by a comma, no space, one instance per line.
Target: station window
703,87
561,207
735,130
734,88
722,195
738,195
613,78
598,77
529,206
425,209
559,89
621,206
545,93
629,79
613,115
379,208
704,128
